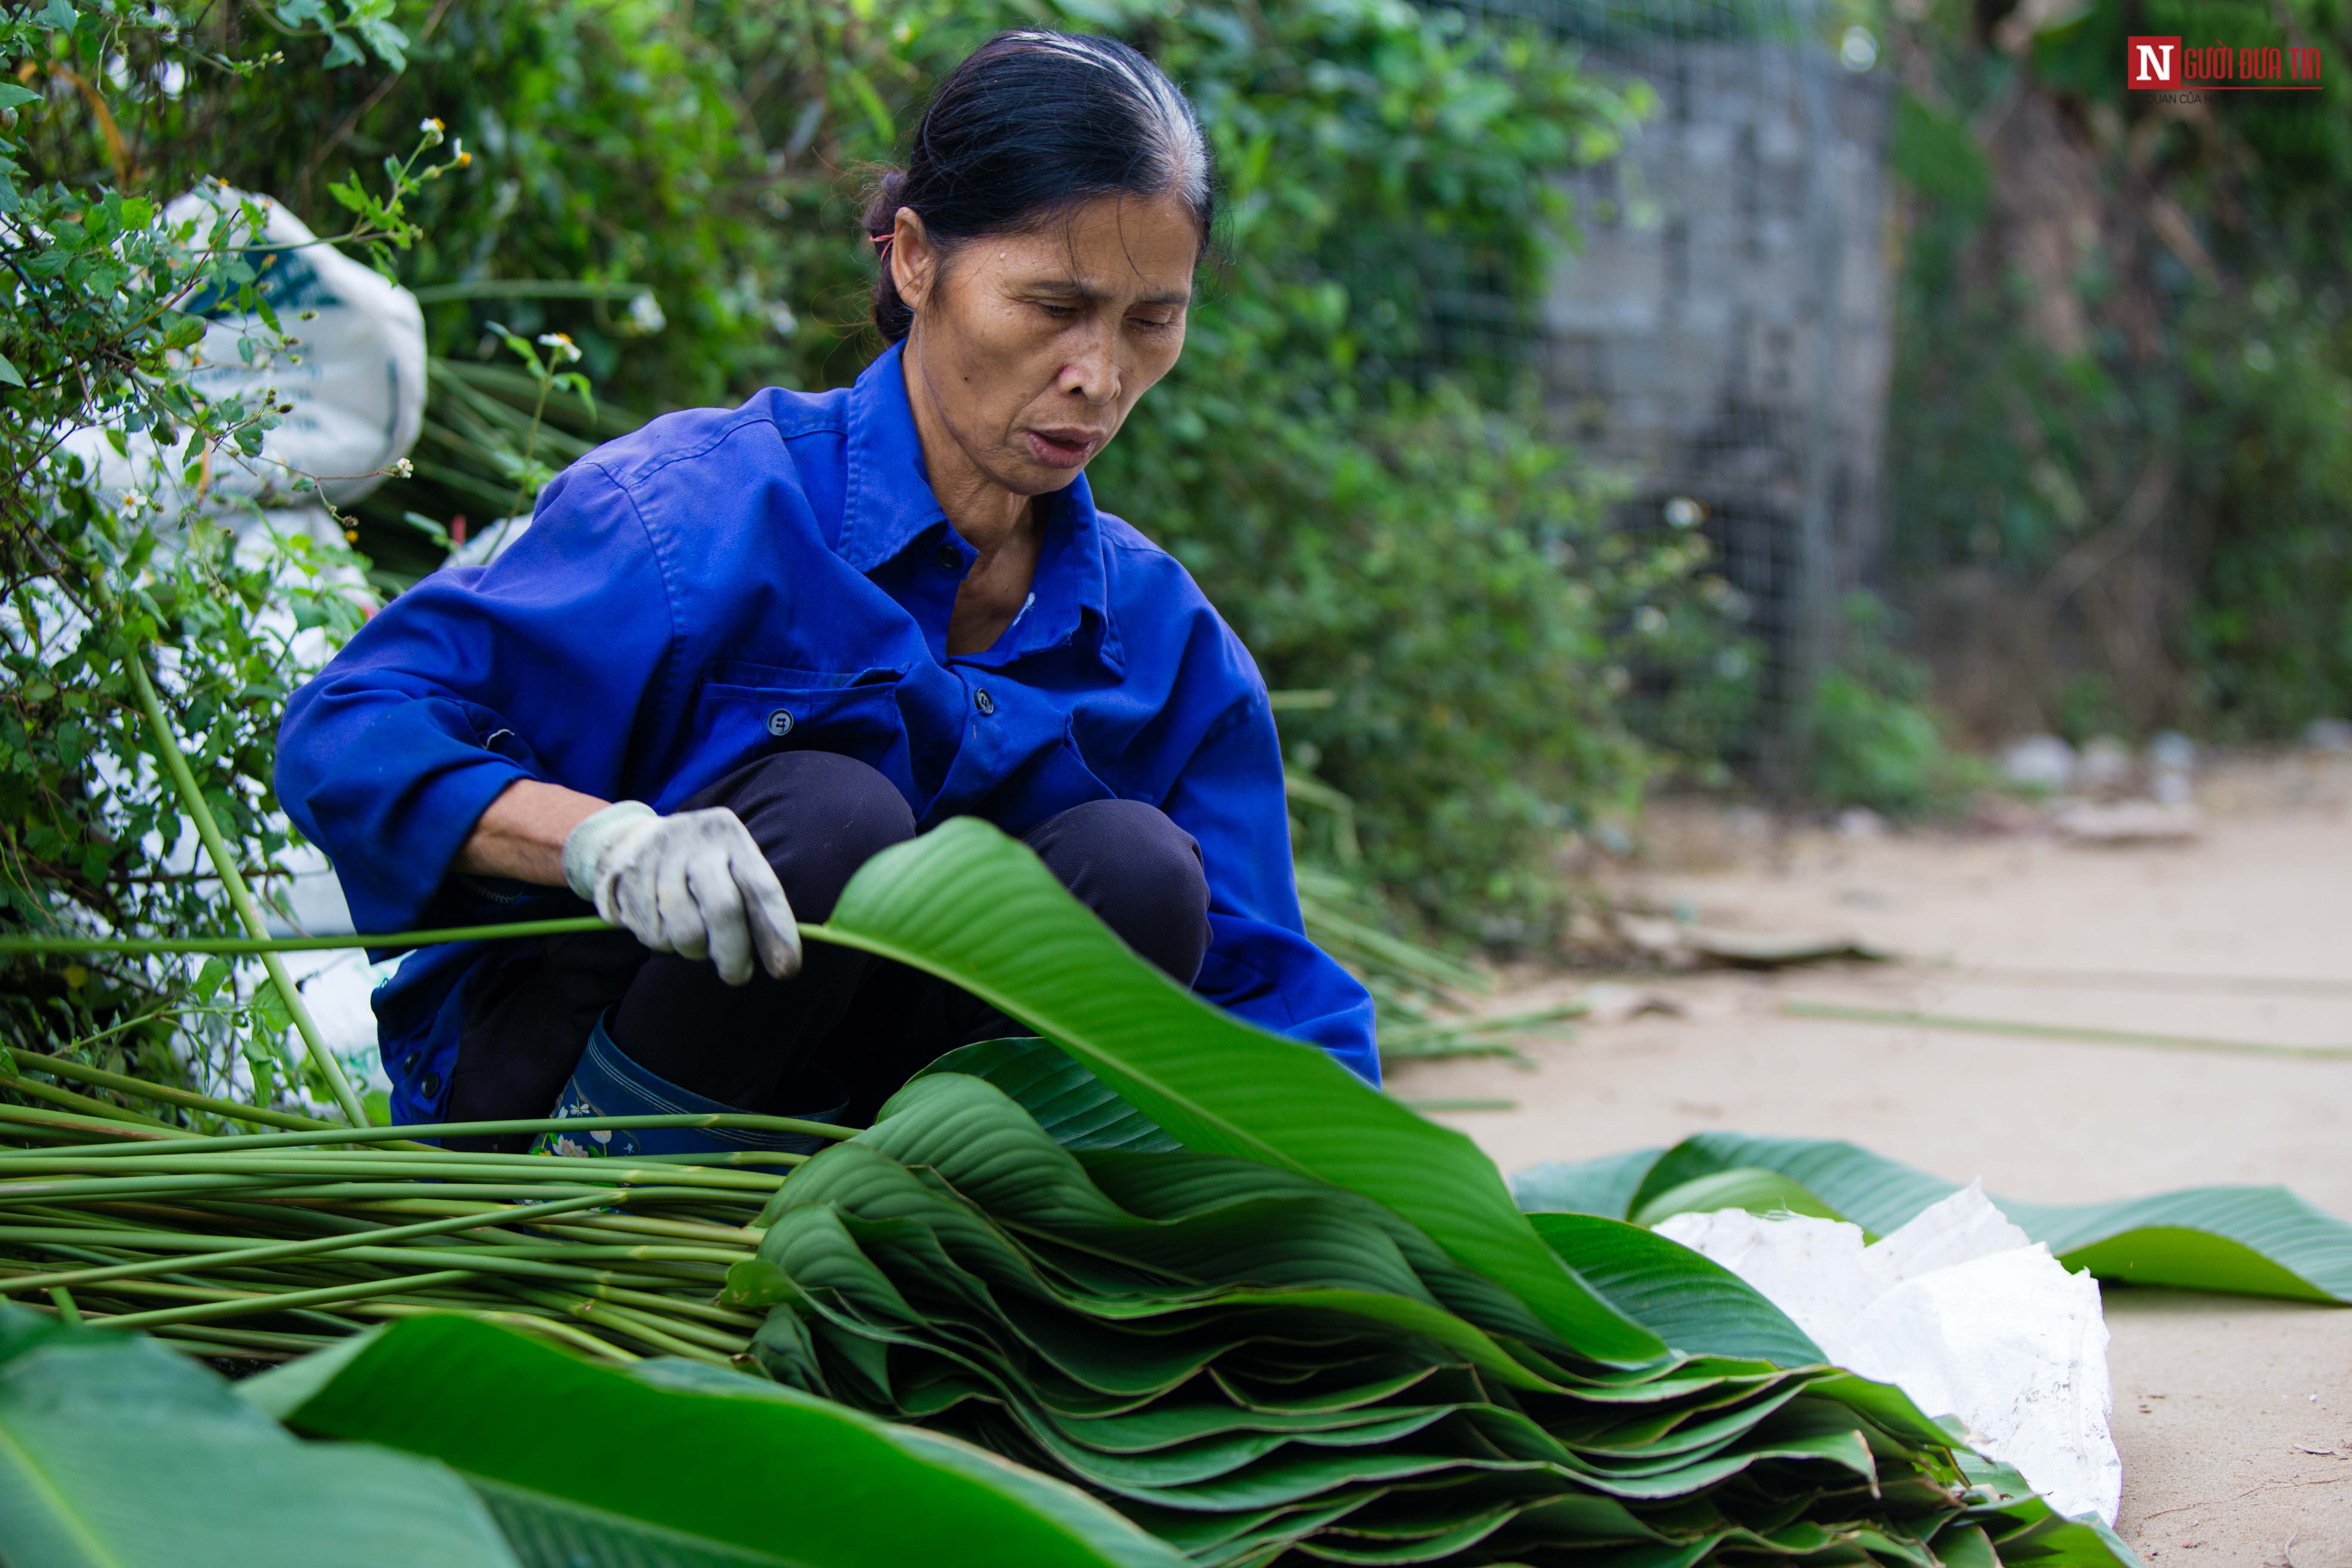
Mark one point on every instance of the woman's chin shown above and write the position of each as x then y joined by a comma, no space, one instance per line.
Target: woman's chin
1025,475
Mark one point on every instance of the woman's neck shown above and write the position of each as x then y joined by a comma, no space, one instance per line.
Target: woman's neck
985,513
1001,525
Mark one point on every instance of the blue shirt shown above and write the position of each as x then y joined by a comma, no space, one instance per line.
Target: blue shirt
725,583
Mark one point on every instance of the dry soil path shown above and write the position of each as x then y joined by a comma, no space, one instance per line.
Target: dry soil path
2233,1416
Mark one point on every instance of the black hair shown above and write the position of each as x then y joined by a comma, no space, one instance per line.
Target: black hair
1030,125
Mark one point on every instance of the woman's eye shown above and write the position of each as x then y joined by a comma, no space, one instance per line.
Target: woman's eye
1150,324
1057,313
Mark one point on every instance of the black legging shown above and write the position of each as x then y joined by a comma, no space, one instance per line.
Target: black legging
869,1023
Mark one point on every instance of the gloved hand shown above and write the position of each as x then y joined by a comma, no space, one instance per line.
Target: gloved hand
694,884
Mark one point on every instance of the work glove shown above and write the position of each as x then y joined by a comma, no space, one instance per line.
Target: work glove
695,884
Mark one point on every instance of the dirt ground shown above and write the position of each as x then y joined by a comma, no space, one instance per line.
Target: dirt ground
2233,1415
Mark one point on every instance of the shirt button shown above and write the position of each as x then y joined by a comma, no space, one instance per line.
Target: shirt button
779,723
983,701
429,1085
948,558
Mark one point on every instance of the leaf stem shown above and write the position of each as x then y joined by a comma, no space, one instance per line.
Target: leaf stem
242,1142
281,1301
192,797
183,1263
122,1083
249,946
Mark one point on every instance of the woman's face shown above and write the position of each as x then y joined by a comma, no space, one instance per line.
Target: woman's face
1030,349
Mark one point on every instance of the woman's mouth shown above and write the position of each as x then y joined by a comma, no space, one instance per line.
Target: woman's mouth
1067,448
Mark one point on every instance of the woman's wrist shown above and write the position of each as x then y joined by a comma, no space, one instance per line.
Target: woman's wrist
521,835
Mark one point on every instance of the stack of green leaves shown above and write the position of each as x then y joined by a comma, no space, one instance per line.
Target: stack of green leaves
1248,1362
440,1449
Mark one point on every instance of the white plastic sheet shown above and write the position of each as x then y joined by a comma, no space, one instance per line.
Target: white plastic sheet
1963,1313
356,379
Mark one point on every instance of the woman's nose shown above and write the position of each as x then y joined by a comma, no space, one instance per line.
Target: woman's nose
1093,372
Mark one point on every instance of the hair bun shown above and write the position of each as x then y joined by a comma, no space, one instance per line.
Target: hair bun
889,190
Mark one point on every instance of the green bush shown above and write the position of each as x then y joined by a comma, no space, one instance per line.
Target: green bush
2217,370
98,323
1875,741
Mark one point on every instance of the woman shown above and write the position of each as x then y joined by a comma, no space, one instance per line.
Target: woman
737,653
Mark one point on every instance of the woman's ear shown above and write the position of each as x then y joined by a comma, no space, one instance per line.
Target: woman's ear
914,264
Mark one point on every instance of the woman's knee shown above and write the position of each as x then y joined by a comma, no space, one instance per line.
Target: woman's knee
1131,865
818,816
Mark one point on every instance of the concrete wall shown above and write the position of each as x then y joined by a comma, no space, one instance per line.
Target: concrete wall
1724,333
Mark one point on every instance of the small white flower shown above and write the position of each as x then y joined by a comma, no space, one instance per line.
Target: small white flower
560,347
431,130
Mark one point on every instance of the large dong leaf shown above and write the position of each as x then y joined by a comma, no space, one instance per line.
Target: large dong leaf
679,1463
1255,1365
1696,1305
1077,1109
118,1453
969,904
1691,1302
2256,1241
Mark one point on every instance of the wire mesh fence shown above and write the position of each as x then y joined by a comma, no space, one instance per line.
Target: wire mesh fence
1717,341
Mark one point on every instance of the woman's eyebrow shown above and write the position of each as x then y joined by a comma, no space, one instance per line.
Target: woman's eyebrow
1071,288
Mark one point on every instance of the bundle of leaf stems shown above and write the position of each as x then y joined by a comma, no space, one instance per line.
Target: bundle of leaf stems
266,1246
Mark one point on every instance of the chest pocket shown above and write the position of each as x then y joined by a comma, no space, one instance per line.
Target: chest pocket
745,711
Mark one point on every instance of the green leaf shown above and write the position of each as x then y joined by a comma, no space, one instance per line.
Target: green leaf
971,905
1077,1109
9,375
14,97
210,977
117,1453
690,1457
1249,1362
2254,1241
1691,1302
1749,1187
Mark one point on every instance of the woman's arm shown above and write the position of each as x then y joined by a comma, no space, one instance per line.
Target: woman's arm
1260,965
522,834
468,686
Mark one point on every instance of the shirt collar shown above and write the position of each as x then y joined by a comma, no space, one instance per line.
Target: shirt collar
887,504
887,499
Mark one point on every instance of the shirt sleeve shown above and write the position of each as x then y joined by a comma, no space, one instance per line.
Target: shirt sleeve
534,667
1260,964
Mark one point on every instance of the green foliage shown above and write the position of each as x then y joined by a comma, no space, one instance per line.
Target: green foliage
1247,1361
115,1451
2215,379
1877,740
104,303
676,1461
2254,1241
1351,469
964,902
1691,1303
